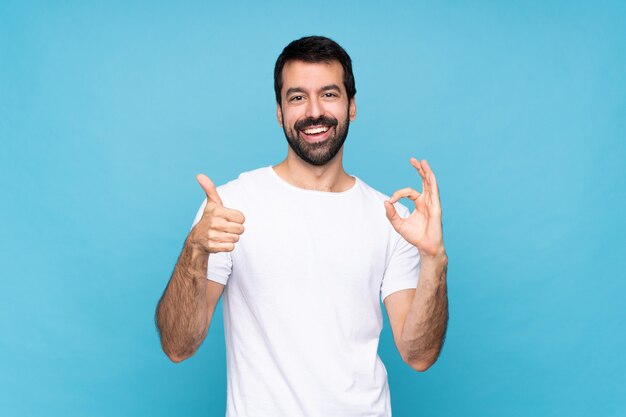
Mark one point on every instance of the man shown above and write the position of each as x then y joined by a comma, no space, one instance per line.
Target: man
303,279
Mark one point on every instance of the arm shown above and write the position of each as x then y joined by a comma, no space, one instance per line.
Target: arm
419,317
184,312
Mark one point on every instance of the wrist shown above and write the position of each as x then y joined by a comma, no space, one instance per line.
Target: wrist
433,271
436,257
196,252
434,265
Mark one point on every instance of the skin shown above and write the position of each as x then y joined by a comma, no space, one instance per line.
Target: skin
310,98
418,317
186,307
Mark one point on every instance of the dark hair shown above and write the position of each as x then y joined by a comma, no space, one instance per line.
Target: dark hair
313,49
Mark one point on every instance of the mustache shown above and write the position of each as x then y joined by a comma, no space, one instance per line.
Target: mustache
320,121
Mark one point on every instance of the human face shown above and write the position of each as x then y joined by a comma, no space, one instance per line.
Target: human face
315,112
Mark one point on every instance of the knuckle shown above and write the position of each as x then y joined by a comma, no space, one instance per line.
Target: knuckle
218,223
238,216
209,220
217,247
210,207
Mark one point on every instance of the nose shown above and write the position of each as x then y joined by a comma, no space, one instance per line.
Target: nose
314,108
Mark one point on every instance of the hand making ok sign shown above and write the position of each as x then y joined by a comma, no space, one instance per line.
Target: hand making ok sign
422,228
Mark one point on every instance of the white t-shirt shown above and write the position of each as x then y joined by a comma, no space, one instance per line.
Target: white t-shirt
302,316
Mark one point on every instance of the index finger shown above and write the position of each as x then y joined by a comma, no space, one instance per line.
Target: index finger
233,215
409,193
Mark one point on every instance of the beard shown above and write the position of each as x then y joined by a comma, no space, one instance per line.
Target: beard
317,153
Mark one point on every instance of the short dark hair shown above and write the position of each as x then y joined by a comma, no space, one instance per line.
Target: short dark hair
313,49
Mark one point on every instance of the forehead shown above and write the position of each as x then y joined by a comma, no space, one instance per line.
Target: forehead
310,75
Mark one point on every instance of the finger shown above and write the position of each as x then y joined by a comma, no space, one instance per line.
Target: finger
224,237
418,166
420,169
432,181
233,215
224,225
409,193
427,170
209,188
221,247
414,162
392,215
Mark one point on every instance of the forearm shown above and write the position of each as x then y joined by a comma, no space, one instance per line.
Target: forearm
181,315
425,324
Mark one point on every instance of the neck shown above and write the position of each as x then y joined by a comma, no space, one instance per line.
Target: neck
330,177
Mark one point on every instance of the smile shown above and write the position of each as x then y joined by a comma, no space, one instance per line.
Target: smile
316,133
316,130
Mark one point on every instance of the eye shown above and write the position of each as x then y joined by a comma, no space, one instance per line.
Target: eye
328,94
296,98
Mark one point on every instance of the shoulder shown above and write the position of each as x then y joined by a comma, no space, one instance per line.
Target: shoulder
244,179
233,192
377,196
248,183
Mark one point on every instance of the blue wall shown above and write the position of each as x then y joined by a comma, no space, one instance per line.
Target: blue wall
107,112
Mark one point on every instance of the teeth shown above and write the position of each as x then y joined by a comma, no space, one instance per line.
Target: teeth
316,130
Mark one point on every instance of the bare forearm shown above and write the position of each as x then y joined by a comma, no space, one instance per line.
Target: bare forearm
181,315
425,324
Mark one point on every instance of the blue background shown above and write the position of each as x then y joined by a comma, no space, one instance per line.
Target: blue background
107,112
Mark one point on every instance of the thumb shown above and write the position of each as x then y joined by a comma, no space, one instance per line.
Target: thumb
392,215
209,188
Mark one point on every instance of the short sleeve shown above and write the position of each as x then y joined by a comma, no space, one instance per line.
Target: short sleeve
402,270
221,263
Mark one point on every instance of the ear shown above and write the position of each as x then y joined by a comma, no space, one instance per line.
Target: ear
352,109
279,115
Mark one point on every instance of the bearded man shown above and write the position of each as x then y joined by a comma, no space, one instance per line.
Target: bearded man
302,274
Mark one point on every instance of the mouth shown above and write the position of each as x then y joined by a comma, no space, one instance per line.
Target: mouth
315,133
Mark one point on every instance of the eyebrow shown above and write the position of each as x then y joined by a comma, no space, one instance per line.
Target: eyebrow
301,90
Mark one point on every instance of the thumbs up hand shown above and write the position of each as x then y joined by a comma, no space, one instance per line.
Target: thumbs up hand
219,228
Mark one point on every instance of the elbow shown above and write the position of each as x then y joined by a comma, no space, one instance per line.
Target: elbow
421,362
420,366
176,357
176,351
